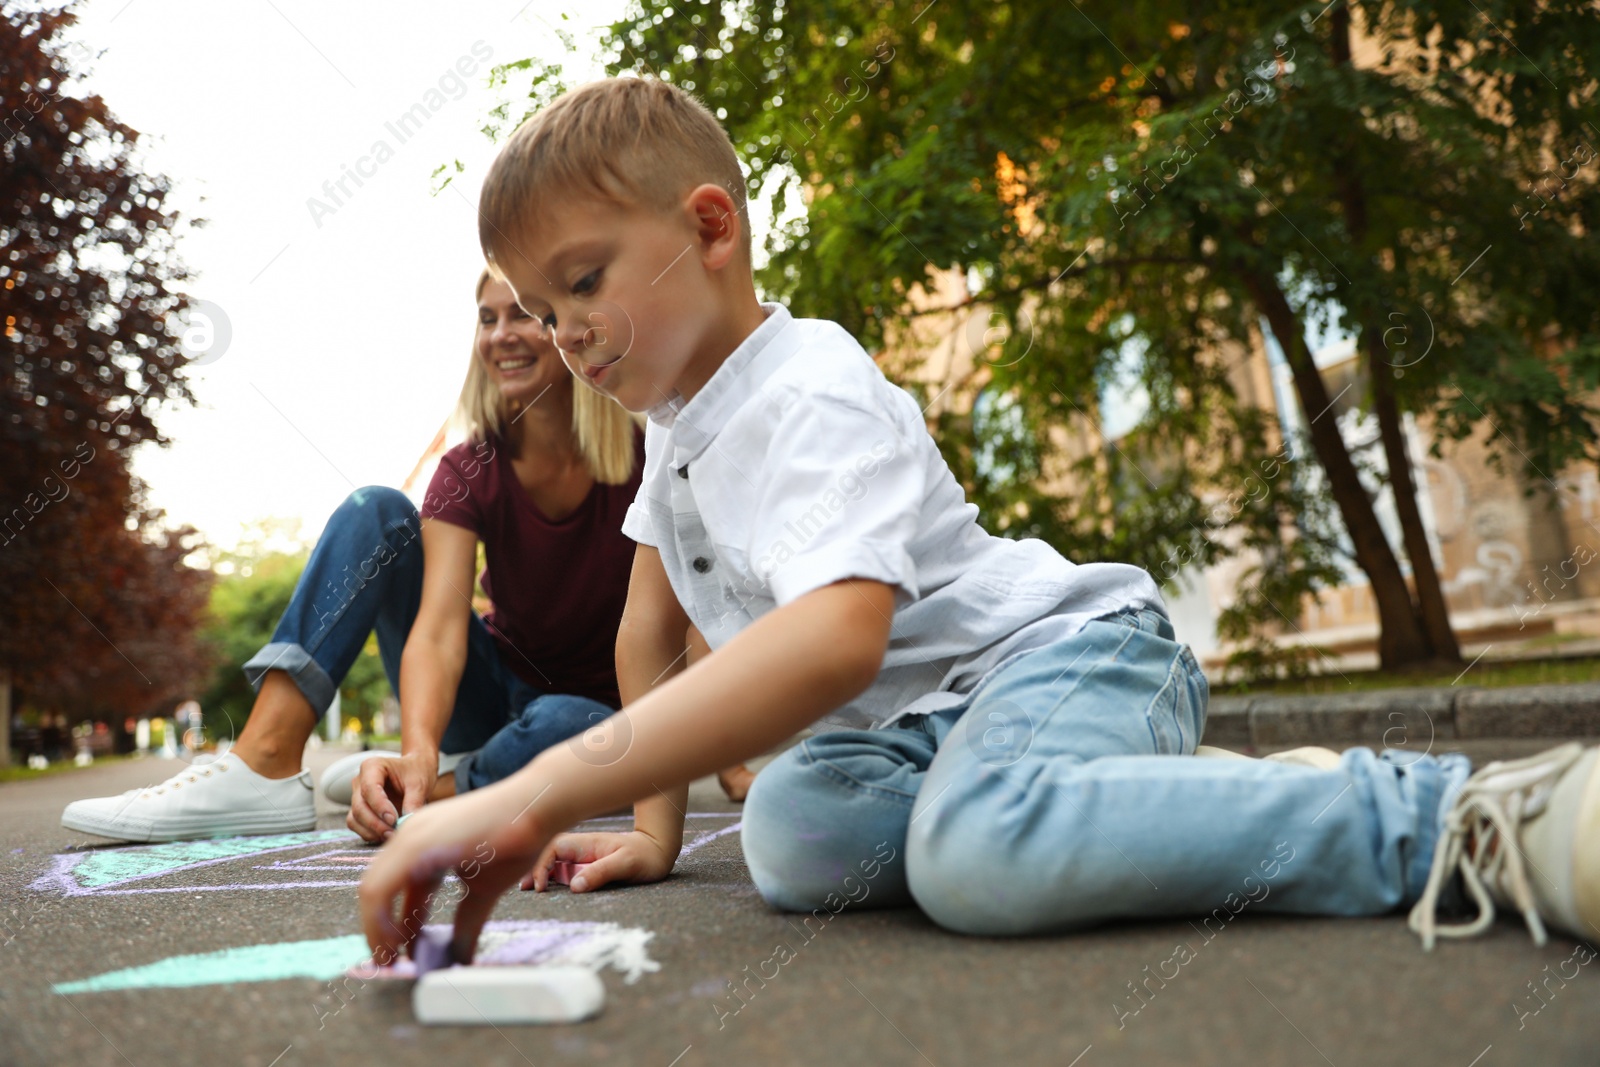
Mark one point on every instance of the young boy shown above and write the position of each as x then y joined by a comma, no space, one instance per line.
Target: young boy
1005,739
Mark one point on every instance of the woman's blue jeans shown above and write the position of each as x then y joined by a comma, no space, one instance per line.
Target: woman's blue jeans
1065,793
366,574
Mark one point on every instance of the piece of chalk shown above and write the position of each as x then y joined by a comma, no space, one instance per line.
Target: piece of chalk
562,872
467,996
431,951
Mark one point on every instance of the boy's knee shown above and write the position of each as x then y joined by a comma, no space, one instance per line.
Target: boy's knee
955,877
780,889
810,843
776,819
967,879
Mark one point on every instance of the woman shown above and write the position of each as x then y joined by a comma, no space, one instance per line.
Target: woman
543,481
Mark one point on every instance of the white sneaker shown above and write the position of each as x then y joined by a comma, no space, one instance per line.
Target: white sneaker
223,798
338,781
1323,759
1540,813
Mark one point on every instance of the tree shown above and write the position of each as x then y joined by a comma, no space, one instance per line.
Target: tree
258,579
134,649
246,602
1163,178
98,606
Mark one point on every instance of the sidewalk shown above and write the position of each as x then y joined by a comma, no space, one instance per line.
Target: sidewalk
1395,717
870,987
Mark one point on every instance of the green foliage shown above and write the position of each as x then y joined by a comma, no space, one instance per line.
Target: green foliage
363,690
1138,178
244,610
99,609
247,601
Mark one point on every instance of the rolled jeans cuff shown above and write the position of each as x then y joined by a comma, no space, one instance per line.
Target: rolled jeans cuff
308,675
1437,797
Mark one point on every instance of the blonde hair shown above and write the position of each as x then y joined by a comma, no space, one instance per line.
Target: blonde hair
624,140
602,428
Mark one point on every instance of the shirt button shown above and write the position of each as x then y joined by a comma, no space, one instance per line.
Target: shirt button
702,564
683,471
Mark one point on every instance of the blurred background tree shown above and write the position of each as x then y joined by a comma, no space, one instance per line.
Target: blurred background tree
100,610
365,688
254,585
1142,189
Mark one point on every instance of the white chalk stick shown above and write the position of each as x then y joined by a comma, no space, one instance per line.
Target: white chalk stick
468,996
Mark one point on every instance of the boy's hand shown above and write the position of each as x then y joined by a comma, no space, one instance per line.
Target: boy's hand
488,837
632,857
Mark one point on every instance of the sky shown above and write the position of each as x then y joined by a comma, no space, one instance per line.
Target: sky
349,313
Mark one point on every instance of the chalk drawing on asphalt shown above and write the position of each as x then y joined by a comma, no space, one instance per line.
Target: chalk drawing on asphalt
597,945
318,859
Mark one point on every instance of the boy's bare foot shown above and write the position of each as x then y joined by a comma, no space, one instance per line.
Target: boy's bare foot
735,781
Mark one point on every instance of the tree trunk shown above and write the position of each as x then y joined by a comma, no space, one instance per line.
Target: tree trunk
1430,605
1402,641
5,718
1424,575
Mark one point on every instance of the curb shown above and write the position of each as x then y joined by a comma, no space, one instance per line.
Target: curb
1394,717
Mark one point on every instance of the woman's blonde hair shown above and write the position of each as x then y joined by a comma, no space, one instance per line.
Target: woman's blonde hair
602,428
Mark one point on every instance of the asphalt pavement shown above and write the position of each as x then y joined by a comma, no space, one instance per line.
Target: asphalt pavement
229,953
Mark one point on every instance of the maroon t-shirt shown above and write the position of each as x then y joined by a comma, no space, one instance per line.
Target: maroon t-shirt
557,587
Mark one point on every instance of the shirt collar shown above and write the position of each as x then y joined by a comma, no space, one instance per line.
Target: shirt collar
695,422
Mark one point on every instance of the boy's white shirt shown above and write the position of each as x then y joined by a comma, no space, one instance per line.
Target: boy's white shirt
806,466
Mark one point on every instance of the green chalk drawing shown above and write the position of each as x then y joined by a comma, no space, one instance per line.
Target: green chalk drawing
119,865
505,942
324,958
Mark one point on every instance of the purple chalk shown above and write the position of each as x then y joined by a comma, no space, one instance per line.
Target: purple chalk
431,951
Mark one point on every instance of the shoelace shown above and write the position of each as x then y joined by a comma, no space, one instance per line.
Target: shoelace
193,774
1490,811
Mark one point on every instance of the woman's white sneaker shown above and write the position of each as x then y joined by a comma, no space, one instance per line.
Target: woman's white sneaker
1523,834
224,798
338,781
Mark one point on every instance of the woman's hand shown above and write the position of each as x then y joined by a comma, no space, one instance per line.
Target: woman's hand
489,838
633,857
387,788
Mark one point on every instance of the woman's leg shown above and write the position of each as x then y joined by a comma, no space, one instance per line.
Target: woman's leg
1060,799
544,720
365,574
281,722
368,554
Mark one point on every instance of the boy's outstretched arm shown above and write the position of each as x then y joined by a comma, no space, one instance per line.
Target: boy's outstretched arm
783,672
650,650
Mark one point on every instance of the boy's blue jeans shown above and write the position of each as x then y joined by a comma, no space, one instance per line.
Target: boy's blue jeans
1065,793
366,574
